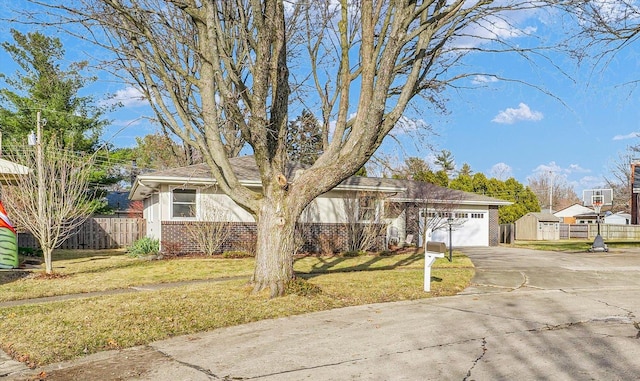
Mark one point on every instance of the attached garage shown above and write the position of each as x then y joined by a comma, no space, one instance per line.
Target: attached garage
473,218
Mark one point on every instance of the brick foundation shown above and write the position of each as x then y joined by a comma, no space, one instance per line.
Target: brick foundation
312,238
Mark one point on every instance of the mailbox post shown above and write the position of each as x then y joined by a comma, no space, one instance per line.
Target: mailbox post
432,251
450,222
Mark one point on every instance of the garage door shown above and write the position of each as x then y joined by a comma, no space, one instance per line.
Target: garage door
469,228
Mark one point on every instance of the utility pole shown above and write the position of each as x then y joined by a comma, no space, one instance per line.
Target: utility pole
550,192
40,169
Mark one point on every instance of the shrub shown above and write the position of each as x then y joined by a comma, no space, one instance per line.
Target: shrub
237,254
302,287
143,247
29,252
353,253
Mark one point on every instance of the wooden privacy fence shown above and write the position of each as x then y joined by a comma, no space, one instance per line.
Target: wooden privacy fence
507,233
97,234
607,231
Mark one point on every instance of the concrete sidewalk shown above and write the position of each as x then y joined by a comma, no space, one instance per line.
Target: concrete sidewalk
529,315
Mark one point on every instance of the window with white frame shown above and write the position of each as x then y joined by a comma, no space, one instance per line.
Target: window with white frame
368,208
183,203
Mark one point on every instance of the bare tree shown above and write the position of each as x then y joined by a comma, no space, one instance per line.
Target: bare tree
211,68
619,179
363,212
552,188
213,229
603,26
439,204
53,199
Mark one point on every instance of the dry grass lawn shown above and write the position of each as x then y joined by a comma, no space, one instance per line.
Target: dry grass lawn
55,331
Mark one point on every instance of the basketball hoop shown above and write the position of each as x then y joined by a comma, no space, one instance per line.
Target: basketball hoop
597,206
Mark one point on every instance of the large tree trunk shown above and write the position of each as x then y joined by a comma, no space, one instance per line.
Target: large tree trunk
274,250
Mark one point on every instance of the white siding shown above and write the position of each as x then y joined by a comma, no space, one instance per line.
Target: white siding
151,213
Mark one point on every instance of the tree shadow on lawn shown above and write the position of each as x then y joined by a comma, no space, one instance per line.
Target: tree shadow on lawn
330,265
112,266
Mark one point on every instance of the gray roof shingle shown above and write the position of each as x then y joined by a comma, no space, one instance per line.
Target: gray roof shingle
404,190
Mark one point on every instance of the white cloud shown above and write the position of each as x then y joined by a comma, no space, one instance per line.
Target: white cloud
590,182
501,171
627,136
406,125
610,12
512,115
483,79
497,27
575,168
551,167
558,170
128,97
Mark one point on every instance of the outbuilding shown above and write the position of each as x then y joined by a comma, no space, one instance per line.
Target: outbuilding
538,227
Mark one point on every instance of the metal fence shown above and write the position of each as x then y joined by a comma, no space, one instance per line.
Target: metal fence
97,234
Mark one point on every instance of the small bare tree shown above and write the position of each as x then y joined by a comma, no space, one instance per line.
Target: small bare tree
364,220
53,199
618,178
438,204
213,229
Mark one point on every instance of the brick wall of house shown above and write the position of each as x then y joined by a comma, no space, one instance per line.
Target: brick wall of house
313,238
412,224
494,226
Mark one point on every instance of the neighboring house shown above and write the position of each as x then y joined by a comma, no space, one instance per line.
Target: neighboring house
568,214
177,198
538,227
620,218
588,218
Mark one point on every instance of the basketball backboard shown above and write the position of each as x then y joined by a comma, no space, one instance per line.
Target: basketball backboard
597,196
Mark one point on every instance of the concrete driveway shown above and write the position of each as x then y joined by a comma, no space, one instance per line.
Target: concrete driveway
529,315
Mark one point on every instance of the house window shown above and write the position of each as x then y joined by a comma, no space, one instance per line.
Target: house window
368,208
477,215
184,203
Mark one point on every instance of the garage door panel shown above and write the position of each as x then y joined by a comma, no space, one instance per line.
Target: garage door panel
471,231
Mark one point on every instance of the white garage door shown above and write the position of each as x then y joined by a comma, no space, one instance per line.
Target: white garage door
469,228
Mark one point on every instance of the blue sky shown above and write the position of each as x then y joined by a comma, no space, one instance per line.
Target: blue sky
499,128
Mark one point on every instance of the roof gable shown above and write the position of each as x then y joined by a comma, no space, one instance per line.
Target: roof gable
573,210
544,217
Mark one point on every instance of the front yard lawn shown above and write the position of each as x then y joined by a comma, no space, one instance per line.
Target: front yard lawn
56,331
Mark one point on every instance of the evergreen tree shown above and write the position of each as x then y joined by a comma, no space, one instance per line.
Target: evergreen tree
445,160
305,140
42,85
523,198
465,170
